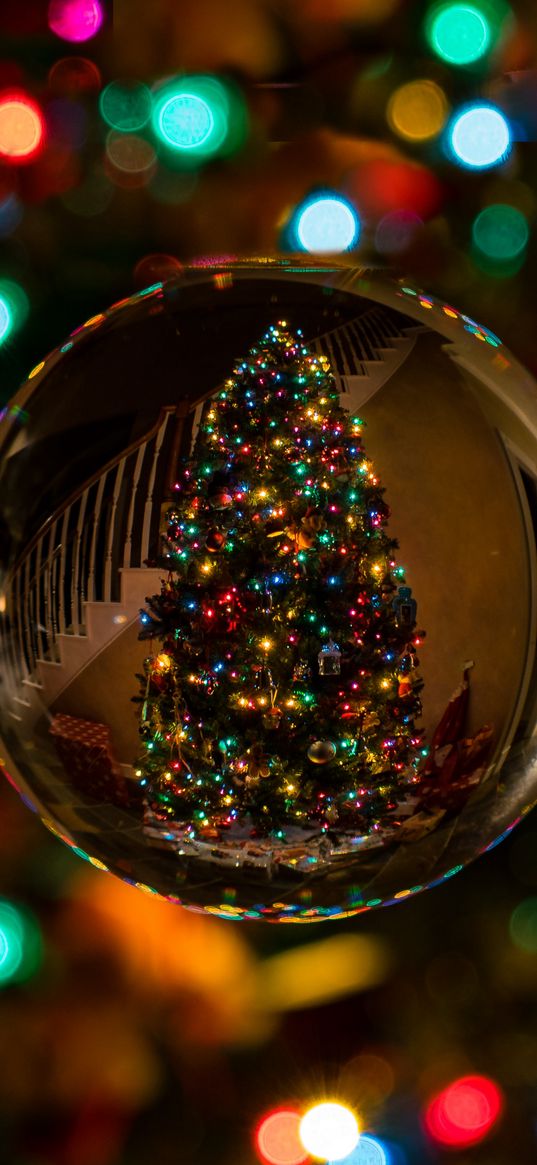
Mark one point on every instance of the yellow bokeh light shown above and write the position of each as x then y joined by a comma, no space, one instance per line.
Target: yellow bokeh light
329,1131
36,370
418,110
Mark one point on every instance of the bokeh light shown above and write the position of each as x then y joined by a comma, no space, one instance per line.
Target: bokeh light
500,232
329,968
75,20
154,268
523,925
369,1151
417,111
479,137
20,944
5,319
126,106
459,33
380,187
11,214
67,122
327,224
464,1112
74,75
329,1131
22,129
277,1138
397,231
196,117
14,308
131,159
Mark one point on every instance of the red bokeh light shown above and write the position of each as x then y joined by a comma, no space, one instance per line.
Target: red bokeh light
74,75
22,128
276,1138
464,1112
381,186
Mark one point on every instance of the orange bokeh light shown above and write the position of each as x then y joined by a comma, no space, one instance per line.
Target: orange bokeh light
22,128
277,1140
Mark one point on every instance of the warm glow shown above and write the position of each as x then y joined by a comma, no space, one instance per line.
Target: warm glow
329,1131
22,128
277,1140
417,111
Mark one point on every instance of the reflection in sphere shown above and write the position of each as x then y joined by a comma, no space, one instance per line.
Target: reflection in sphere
264,649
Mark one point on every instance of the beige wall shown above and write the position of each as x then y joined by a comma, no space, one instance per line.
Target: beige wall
103,690
456,515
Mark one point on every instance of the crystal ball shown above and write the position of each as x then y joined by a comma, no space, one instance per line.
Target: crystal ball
267,614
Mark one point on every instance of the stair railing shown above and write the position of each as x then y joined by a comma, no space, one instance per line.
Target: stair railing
77,556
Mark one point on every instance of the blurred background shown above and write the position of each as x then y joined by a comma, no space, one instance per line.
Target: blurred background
135,140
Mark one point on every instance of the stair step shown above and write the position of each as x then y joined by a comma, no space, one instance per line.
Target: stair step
136,583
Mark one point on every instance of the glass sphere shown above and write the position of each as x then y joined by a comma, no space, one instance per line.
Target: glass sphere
267,614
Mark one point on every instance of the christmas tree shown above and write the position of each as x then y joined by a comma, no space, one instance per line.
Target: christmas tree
285,692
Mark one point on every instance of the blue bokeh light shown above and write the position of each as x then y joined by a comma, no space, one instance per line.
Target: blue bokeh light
327,224
369,1151
479,137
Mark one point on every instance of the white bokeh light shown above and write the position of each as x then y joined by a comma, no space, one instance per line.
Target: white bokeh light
327,225
329,1131
480,137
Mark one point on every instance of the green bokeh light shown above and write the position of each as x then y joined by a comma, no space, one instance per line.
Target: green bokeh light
459,33
126,106
197,117
523,925
6,322
500,232
14,308
20,944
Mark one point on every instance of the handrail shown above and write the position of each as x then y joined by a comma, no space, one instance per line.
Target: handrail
79,553
165,410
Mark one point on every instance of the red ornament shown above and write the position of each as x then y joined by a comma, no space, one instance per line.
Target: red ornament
221,500
215,541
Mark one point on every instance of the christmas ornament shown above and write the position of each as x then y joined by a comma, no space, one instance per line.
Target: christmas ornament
321,752
329,659
214,541
208,643
405,607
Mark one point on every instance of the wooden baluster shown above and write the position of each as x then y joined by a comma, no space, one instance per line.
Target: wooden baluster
148,508
62,565
77,586
90,597
127,556
53,592
26,607
111,534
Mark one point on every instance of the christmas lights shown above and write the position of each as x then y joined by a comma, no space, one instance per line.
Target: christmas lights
285,687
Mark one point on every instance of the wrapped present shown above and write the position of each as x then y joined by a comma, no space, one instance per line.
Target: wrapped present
420,825
85,750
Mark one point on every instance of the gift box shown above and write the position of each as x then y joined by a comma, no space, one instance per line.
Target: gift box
85,750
